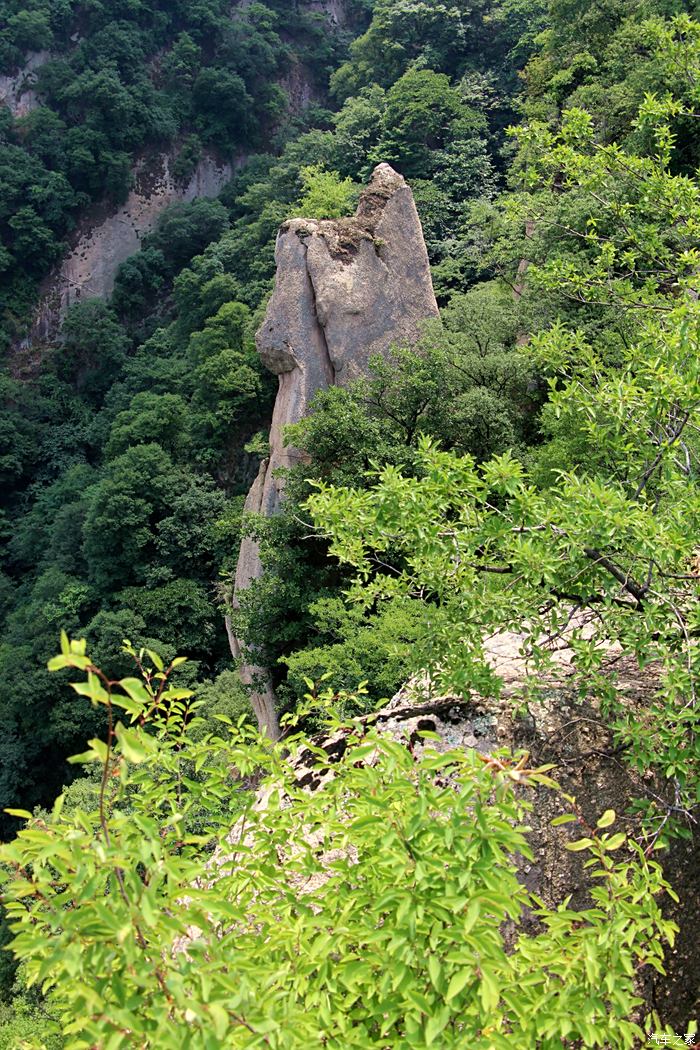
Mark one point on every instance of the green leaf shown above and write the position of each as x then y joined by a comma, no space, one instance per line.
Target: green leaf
23,813
582,844
99,748
155,659
615,841
133,744
489,991
177,694
57,663
472,914
92,689
220,1018
459,981
607,819
84,756
435,1024
135,688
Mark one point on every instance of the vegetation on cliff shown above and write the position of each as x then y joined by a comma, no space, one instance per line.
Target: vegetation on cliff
119,79
170,363
383,910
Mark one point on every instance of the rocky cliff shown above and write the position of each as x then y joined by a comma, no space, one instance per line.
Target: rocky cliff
106,237
17,90
105,241
345,290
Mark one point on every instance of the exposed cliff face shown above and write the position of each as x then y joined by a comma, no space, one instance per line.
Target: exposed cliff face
106,238
17,90
336,11
345,290
89,270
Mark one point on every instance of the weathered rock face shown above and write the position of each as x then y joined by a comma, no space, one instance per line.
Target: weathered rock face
556,726
345,290
336,11
17,90
89,270
106,238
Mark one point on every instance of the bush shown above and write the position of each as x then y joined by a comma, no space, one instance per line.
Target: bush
370,912
326,195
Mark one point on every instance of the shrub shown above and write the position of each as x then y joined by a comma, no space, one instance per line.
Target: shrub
370,912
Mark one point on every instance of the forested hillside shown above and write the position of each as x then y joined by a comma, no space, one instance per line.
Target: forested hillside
531,461
120,79
133,429
125,456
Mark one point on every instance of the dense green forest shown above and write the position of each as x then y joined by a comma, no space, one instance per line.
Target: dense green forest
161,387
125,461
552,149
120,79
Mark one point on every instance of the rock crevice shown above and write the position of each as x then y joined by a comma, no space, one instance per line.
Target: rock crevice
346,290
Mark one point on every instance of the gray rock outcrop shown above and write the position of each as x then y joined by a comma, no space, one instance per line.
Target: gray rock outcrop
554,725
346,289
17,90
573,735
105,242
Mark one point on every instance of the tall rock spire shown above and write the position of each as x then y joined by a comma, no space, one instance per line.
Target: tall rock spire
345,290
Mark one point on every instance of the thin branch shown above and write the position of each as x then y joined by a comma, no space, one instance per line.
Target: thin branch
646,476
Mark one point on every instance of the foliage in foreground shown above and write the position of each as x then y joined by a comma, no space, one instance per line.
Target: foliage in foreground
368,913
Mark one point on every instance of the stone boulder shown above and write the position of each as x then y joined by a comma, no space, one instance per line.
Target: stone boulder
345,290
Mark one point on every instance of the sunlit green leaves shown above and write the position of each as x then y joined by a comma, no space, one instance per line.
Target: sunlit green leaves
604,523
372,908
135,746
